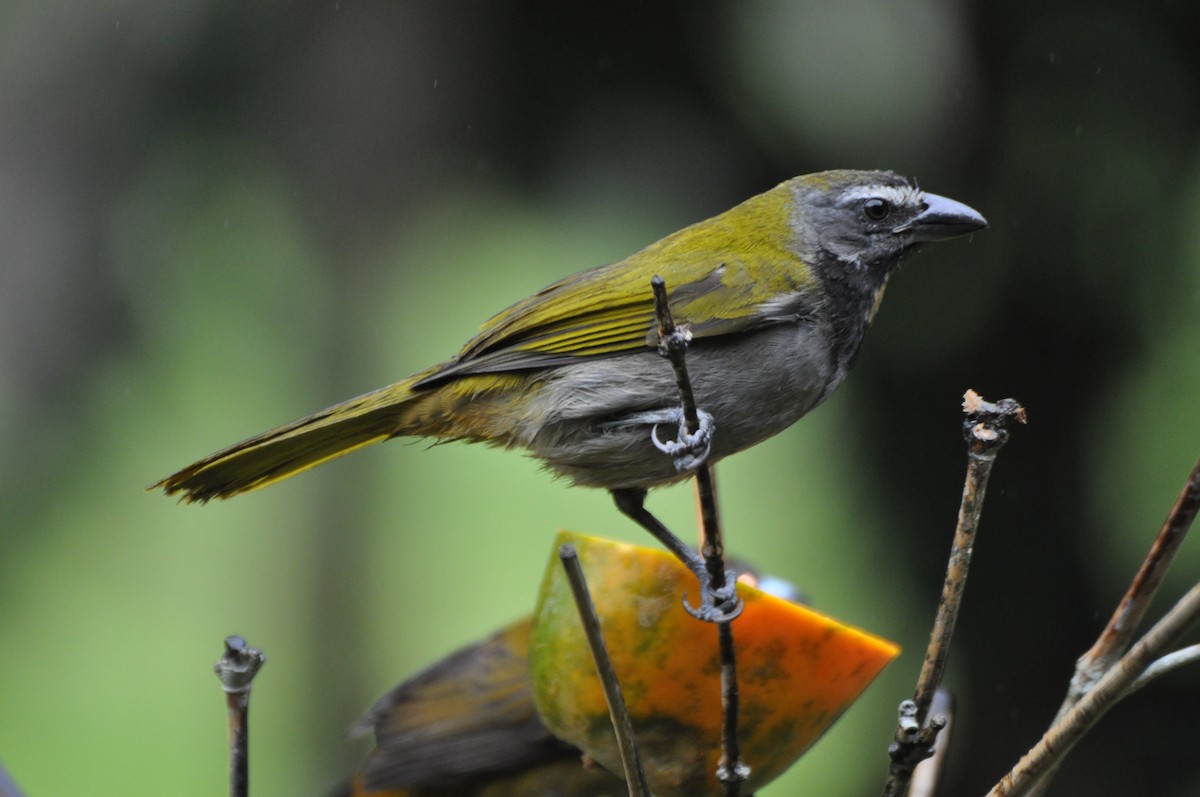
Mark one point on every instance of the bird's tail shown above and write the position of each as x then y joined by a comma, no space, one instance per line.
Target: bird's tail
275,455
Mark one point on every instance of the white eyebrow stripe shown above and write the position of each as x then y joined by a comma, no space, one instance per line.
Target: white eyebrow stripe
897,195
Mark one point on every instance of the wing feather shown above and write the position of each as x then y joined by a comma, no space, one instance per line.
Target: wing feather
724,276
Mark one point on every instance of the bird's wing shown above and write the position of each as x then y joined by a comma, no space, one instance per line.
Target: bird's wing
610,309
470,714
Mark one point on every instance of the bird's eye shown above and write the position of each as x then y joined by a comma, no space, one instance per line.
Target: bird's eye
877,209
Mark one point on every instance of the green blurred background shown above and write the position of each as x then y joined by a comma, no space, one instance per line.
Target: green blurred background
218,216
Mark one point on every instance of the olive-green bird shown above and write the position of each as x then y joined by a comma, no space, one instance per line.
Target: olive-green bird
776,294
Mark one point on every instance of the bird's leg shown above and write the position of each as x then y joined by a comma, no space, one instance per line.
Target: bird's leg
716,605
632,503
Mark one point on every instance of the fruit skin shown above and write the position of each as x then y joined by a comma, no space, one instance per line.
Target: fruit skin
776,293
798,670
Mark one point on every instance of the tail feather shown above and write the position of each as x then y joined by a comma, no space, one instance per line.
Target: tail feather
275,455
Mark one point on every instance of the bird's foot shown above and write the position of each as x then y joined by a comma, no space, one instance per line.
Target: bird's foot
716,605
690,449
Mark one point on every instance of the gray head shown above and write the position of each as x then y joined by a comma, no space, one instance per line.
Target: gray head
867,220
853,228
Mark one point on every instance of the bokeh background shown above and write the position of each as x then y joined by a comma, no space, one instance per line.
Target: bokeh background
218,216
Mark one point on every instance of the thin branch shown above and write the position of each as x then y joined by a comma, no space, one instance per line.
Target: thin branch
986,430
731,770
673,343
1114,640
1169,662
618,712
236,670
712,546
1116,636
928,773
1104,694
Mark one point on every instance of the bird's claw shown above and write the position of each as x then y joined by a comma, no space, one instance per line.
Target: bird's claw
716,605
689,450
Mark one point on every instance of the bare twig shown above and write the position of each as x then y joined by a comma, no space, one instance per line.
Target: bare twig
1114,640
1104,694
673,343
236,670
618,712
986,430
928,773
1169,662
731,771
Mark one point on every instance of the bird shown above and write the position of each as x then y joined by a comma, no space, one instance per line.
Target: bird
774,297
466,725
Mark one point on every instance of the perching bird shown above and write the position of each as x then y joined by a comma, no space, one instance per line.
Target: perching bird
775,293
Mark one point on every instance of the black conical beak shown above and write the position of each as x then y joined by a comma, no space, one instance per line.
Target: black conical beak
943,219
